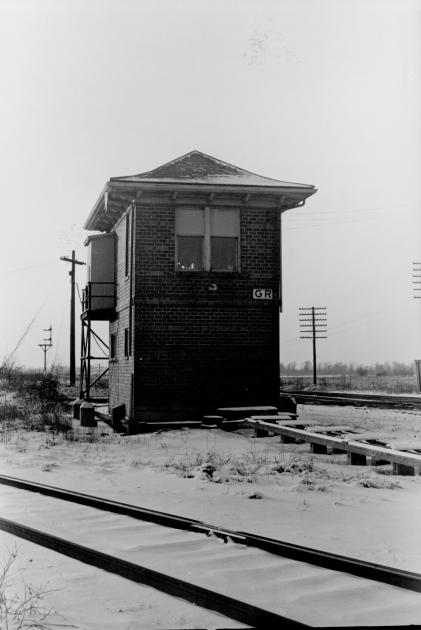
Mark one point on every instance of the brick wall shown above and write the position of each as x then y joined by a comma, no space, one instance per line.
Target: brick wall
199,348
121,367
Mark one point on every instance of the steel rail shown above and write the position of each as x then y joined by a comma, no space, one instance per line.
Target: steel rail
350,398
392,398
198,595
368,570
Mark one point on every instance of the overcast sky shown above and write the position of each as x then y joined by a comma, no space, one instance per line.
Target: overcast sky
324,92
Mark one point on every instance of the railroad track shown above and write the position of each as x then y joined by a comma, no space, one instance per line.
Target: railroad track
356,399
252,579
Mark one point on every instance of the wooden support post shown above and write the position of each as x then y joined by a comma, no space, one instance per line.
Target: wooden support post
375,461
286,439
259,432
403,469
356,459
318,448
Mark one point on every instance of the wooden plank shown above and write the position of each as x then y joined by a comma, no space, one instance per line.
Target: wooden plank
382,452
239,413
405,445
334,427
370,435
280,417
370,450
264,410
299,434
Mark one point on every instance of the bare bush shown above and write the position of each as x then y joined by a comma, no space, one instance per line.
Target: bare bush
20,608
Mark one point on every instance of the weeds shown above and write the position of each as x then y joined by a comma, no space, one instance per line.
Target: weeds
295,466
23,610
31,401
388,384
246,467
11,411
369,482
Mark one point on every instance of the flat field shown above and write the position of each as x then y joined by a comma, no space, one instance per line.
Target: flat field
353,383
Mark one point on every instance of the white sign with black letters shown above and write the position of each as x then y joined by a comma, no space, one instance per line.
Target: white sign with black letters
262,294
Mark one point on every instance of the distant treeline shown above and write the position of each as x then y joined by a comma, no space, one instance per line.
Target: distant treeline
325,369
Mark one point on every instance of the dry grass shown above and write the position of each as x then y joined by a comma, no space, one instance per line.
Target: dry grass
345,382
21,604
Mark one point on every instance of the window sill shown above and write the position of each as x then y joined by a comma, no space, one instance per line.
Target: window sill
204,273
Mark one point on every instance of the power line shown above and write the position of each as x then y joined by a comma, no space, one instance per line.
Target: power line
307,226
356,322
7,271
338,212
60,328
27,329
78,292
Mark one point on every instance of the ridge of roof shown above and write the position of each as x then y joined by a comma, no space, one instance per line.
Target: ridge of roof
198,167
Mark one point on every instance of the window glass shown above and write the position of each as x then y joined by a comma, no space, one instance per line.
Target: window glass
112,346
224,253
190,222
190,253
225,222
126,342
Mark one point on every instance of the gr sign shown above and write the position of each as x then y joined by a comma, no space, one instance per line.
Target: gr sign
262,294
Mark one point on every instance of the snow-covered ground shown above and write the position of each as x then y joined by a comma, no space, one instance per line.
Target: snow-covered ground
237,481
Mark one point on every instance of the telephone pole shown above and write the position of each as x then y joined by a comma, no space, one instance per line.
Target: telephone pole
46,346
416,273
311,326
72,274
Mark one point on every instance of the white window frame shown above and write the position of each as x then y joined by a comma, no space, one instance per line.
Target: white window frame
207,235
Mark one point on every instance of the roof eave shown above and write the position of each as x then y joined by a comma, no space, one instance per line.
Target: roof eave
97,206
299,193
209,187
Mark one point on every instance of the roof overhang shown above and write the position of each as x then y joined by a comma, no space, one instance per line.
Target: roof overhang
118,195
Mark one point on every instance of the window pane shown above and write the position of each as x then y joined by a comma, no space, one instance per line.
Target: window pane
190,253
223,253
225,222
112,345
188,221
126,343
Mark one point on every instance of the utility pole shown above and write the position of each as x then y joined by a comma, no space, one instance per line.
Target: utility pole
416,273
311,326
72,274
46,346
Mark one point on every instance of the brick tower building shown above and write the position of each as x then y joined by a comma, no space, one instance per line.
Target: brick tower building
187,270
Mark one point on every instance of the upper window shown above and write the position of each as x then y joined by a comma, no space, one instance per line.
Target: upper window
207,239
